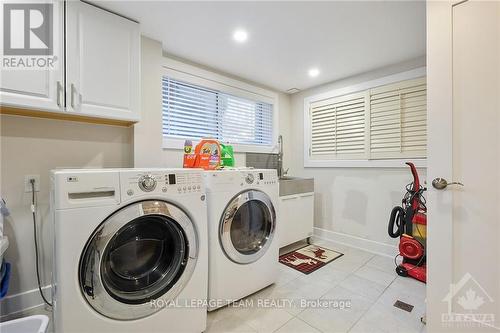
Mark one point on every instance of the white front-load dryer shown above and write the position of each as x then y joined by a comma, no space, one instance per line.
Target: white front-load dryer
242,229
130,250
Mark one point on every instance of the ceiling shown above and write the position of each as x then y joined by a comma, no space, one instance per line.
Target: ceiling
285,39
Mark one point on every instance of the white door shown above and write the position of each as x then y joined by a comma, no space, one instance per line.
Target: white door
102,63
464,146
36,89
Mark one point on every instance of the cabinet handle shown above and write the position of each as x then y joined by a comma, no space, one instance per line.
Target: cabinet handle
59,91
73,95
289,198
79,97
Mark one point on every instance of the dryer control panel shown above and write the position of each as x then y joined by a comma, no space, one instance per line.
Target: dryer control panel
135,183
240,178
259,177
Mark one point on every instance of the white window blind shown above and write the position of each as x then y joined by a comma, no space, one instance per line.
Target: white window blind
194,112
385,122
398,120
338,127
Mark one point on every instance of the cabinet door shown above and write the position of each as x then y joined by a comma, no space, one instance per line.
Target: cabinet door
102,63
296,218
24,87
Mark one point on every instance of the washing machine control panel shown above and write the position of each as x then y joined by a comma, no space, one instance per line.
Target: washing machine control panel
159,182
147,183
249,178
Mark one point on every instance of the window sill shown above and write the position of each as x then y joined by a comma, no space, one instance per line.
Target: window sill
178,144
396,163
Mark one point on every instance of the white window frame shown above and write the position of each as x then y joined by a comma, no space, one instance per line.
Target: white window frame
197,76
358,163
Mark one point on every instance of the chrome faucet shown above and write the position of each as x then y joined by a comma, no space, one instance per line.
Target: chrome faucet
281,172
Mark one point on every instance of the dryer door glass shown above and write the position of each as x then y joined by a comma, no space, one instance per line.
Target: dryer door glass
247,226
251,226
144,259
142,252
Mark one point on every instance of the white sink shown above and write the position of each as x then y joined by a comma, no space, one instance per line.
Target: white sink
295,185
31,324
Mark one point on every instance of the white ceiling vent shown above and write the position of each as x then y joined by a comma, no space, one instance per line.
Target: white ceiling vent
292,90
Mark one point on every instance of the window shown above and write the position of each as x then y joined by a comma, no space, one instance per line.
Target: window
338,127
381,123
398,120
194,112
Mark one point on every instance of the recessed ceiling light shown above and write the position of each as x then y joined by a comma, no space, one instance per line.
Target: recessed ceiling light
240,35
313,72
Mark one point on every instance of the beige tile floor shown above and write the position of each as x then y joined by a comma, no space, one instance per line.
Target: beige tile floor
367,280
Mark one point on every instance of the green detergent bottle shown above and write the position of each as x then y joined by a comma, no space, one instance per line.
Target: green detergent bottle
227,156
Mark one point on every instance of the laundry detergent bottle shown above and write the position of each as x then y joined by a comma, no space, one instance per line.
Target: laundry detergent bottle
208,154
227,156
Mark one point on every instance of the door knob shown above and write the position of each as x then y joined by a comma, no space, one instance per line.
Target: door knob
441,183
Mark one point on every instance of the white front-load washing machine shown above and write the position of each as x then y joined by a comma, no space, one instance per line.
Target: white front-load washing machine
242,229
130,250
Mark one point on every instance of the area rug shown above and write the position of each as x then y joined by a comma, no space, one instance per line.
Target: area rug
309,258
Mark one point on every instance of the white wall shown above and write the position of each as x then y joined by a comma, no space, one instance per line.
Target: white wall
351,203
148,150
35,146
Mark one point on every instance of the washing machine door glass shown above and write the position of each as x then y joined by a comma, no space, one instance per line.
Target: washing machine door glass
143,252
247,226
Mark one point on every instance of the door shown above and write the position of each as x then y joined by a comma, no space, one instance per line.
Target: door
142,252
247,226
25,87
464,146
102,63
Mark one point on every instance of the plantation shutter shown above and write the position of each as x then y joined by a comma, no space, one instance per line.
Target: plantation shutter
338,127
398,120
194,112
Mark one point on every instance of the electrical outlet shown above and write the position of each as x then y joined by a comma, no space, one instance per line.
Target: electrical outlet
27,184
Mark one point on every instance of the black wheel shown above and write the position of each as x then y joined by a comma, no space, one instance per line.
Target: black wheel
401,271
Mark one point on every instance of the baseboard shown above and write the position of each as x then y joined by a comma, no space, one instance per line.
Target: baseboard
23,301
357,242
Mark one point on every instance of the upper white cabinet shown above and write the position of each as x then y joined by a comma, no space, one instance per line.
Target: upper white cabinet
97,75
23,87
102,63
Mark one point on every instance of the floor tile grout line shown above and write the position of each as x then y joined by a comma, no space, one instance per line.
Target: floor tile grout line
310,324
285,322
305,322
334,285
307,308
338,285
372,305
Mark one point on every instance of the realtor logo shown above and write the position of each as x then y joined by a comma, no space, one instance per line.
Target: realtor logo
468,305
27,29
28,36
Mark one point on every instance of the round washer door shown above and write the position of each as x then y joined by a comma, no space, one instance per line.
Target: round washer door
247,226
142,252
